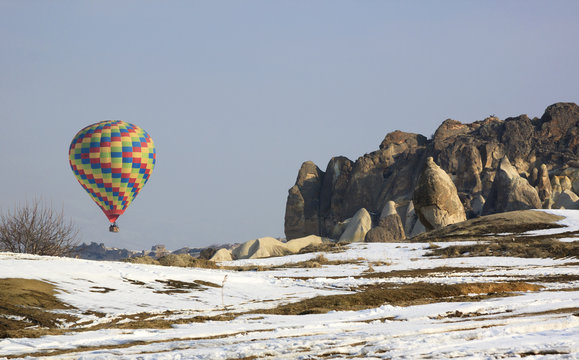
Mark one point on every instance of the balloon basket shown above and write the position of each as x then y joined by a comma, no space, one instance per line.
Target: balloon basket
114,228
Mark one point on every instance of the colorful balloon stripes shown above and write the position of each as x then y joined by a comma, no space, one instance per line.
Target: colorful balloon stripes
112,160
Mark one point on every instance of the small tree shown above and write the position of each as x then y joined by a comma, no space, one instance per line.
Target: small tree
37,229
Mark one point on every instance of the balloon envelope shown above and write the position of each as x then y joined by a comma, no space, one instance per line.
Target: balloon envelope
112,160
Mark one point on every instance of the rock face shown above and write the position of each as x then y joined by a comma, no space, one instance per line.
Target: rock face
389,227
436,199
357,227
469,153
303,203
510,191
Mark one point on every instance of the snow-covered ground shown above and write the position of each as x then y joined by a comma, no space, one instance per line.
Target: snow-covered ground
540,324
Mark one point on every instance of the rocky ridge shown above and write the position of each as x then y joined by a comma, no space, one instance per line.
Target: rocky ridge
542,152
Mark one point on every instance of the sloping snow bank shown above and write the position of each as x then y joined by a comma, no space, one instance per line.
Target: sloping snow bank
116,288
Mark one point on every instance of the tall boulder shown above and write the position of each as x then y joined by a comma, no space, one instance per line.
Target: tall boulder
566,183
436,199
534,178
510,191
303,203
412,225
389,228
544,184
556,186
333,207
357,227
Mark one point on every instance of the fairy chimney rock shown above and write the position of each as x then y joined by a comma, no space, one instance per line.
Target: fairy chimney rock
435,199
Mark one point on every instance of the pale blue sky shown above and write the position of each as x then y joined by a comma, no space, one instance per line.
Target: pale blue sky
237,94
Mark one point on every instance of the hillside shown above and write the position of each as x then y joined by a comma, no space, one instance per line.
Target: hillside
502,286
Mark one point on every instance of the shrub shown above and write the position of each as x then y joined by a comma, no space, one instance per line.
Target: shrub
181,260
37,229
142,260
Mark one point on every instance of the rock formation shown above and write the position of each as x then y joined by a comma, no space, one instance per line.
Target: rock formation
389,228
469,153
260,248
296,245
243,250
357,227
266,247
222,255
510,191
94,251
556,186
566,183
566,199
436,199
544,188
303,203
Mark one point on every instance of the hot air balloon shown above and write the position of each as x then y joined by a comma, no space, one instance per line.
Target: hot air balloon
112,160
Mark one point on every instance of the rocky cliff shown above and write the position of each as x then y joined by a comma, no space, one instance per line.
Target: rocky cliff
321,201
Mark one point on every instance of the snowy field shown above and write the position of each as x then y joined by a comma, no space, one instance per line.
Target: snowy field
235,324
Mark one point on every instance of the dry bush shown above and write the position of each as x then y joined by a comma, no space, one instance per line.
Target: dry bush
147,260
203,264
37,229
181,260
327,246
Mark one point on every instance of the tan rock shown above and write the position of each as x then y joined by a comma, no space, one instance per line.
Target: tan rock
556,186
243,250
436,199
296,245
566,200
510,191
566,183
268,247
357,227
222,255
390,227
544,184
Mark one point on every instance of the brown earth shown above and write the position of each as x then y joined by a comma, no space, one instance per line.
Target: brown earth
25,303
376,295
514,222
